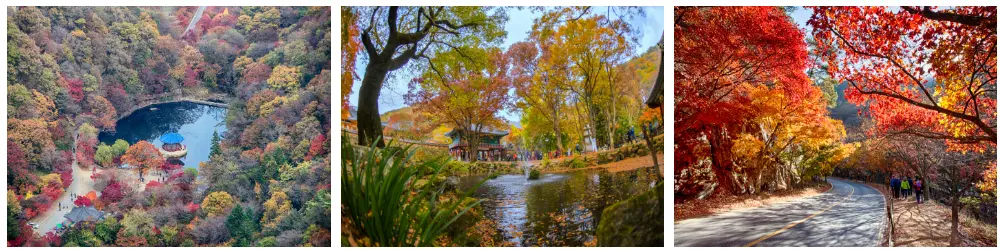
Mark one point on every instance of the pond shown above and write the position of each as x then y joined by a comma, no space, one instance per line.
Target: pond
559,209
195,122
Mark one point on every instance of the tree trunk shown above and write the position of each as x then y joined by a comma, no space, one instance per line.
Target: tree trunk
556,128
722,165
369,123
559,138
954,234
594,128
611,125
473,140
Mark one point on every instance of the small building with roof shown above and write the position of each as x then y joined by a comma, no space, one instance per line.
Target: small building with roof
489,149
81,214
172,147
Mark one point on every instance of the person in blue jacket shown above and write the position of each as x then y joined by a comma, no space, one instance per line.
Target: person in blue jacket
895,185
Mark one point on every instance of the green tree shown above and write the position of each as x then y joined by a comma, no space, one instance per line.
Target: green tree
120,147
215,144
241,225
81,237
267,242
105,155
107,230
13,225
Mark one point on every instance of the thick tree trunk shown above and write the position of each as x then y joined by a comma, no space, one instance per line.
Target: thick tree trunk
473,140
722,164
369,123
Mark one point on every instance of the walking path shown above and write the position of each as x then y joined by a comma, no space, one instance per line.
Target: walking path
624,165
81,185
929,224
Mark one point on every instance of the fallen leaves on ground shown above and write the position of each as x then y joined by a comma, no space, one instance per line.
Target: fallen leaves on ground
696,208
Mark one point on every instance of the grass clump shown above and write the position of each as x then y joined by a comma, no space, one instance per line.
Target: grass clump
383,201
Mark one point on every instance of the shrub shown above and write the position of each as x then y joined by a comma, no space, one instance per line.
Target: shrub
380,182
267,242
534,174
603,158
578,162
457,168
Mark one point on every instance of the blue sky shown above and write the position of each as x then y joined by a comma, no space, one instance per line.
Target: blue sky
801,15
518,26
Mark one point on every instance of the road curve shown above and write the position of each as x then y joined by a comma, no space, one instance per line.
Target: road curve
850,214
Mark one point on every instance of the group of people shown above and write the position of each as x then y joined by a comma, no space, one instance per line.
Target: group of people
67,206
903,187
480,155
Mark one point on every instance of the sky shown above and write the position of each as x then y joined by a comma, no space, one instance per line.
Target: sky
518,26
801,15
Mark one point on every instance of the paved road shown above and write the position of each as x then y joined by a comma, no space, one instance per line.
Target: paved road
850,214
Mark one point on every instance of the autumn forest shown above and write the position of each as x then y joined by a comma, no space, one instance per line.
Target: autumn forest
168,126
836,108
502,109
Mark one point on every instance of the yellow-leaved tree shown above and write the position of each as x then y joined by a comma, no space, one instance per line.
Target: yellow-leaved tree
275,209
284,78
217,203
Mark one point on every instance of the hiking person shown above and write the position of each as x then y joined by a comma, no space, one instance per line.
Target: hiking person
917,189
632,134
895,185
905,186
910,185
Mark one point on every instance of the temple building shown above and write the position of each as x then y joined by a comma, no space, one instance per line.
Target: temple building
489,149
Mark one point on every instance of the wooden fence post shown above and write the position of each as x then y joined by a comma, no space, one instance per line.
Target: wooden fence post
889,214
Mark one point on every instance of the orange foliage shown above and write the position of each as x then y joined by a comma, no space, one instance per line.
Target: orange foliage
143,155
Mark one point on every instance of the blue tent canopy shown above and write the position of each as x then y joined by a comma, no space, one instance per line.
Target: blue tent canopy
171,138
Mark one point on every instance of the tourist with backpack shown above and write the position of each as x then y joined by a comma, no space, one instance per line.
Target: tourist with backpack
917,188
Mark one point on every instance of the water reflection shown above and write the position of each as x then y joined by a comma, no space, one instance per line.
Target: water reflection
561,209
195,122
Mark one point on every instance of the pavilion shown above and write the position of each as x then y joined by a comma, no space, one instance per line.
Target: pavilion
172,147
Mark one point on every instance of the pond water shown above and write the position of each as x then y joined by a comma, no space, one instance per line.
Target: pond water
560,209
195,122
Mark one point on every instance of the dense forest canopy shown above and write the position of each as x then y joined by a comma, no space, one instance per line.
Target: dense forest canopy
76,70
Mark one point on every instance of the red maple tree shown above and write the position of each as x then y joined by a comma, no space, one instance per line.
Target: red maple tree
922,71
717,50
